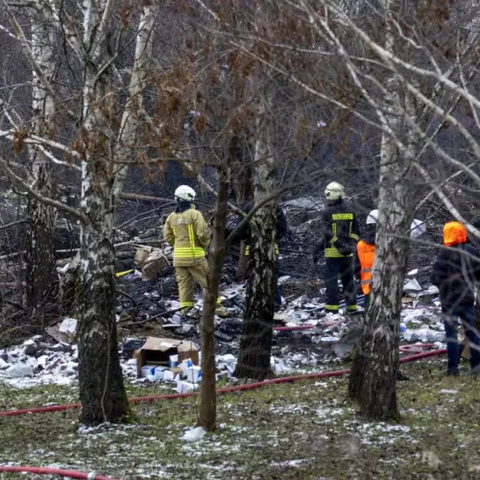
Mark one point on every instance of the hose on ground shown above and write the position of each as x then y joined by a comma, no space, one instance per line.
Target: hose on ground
53,471
221,391
151,398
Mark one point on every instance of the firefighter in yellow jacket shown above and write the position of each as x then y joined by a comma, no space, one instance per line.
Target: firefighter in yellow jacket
189,235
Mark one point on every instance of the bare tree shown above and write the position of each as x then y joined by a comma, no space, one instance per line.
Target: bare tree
406,77
100,150
256,340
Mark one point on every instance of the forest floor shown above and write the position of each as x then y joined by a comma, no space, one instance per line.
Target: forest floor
303,430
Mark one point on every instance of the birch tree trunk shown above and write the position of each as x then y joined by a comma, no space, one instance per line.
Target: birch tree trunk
256,340
208,400
102,391
134,108
42,278
373,374
242,186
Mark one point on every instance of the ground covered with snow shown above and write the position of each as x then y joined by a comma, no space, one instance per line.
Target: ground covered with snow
304,430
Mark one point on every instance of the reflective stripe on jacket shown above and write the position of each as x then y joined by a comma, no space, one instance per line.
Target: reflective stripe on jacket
366,257
189,235
339,230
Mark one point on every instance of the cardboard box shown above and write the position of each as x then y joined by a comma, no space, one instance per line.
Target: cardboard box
156,264
142,254
157,351
194,374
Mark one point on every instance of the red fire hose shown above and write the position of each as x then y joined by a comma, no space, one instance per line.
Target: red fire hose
54,471
293,328
417,348
237,388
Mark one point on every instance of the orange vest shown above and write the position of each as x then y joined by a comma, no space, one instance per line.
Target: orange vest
366,257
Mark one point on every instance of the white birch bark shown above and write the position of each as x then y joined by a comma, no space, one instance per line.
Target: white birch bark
134,109
102,391
256,341
373,378
42,278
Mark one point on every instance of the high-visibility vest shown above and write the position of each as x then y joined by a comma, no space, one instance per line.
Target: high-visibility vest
366,257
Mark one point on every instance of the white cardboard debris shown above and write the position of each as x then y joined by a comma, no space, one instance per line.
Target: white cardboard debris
58,363
194,435
417,228
194,374
186,387
3,364
412,286
433,290
19,370
68,325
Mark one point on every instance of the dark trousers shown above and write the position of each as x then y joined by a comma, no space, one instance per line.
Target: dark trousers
343,268
278,296
466,313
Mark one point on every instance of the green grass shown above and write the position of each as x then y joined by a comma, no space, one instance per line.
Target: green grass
304,430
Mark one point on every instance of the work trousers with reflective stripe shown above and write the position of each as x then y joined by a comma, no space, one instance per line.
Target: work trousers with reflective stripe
186,276
343,268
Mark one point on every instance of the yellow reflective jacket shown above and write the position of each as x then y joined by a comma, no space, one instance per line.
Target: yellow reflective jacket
189,235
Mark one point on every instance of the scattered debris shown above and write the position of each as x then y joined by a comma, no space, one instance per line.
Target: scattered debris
157,352
448,392
148,311
194,435
412,286
65,331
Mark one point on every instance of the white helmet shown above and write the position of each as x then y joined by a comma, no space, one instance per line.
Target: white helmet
186,193
372,218
334,191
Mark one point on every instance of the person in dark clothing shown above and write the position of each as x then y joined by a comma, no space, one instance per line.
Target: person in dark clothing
282,228
338,239
365,256
455,272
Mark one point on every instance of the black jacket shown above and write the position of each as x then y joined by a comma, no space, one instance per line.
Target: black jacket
347,231
282,227
455,273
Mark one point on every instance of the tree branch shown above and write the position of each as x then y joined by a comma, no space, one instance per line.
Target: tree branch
47,201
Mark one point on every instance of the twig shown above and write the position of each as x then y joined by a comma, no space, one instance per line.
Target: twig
154,317
13,224
14,304
128,296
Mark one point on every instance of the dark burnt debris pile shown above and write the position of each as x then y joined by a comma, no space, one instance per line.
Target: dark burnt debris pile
147,306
